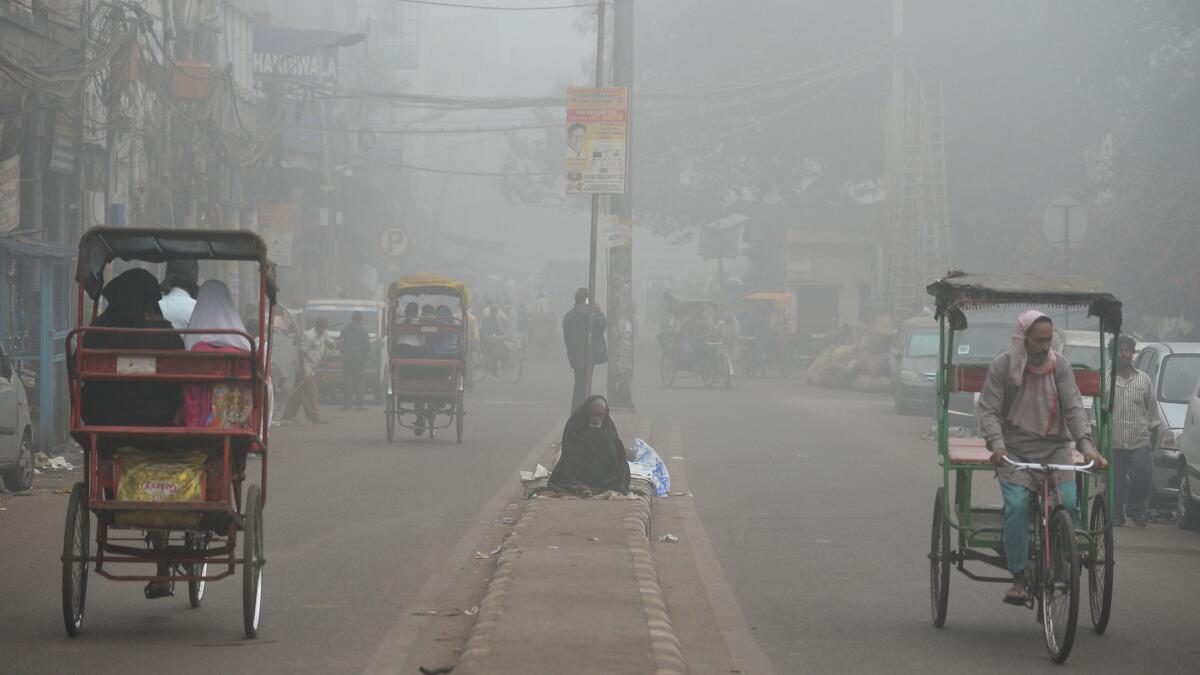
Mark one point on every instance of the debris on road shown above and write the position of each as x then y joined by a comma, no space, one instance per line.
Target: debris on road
43,462
480,555
472,612
682,493
669,539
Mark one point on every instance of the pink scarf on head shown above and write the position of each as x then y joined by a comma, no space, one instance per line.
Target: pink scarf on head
1035,407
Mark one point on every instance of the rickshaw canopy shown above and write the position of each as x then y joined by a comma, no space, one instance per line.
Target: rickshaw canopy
960,290
681,299
782,300
430,284
99,246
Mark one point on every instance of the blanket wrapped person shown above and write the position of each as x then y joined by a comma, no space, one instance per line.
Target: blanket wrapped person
593,457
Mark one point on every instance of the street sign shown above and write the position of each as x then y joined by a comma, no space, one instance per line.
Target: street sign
278,223
395,242
1064,219
597,126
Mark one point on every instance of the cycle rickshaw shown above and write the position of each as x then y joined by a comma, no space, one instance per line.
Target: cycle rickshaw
964,532
183,488
769,319
690,344
427,354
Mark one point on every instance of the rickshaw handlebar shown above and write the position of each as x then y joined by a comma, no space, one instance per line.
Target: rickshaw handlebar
1050,467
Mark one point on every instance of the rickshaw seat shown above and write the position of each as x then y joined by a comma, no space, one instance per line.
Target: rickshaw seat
971,379
973,452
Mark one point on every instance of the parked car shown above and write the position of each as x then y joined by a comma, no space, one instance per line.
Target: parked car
1082,349
338,313
913,359
979,344
1174,370
1187,496
16,432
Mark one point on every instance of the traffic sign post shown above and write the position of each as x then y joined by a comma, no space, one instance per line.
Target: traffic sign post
395,242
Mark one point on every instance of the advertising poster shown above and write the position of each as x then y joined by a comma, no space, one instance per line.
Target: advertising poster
597,124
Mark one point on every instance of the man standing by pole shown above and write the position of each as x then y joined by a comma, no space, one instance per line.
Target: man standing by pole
583,335
1134,416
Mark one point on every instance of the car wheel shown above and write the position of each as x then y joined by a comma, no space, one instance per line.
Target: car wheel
20,477
1187,515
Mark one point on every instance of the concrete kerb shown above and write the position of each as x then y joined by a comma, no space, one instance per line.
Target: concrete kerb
664,645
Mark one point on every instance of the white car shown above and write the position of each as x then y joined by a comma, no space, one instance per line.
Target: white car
1174,370
1188,497
16,432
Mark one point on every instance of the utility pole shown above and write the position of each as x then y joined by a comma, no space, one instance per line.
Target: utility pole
595,201
621,319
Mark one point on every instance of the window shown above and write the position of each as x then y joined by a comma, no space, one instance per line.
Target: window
1180,373
923,343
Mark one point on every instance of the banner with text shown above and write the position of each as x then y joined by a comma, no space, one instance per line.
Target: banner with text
597,126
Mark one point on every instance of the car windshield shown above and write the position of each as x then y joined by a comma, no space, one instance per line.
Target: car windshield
1085,356
981,342
338,317
1180,373
923,344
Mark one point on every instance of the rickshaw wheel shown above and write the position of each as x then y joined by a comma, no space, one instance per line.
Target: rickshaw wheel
390,417
252,562
666,370
726,371
197,545
458,418
1100,567
74,560
1060,587
708,372
511,367
939,562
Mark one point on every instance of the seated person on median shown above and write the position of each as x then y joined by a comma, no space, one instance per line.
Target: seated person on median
222,405
1030,410
593,457
132,303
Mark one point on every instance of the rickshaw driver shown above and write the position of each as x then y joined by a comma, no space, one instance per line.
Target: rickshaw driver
1028,405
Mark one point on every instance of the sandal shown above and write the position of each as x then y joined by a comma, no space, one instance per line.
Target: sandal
1017,597
157,589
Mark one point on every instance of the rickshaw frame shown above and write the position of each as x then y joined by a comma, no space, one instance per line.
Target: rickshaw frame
962,458
401,390
222,517
679,301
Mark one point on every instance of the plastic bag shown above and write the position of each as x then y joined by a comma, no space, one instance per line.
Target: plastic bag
161,477
647,464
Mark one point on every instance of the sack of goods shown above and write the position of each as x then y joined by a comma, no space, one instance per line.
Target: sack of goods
160,477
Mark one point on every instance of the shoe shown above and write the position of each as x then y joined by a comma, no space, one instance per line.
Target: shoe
158,589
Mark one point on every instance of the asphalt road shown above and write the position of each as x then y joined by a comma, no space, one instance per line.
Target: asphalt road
353,529
818,504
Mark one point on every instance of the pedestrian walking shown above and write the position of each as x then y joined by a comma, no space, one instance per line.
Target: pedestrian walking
312,350
1134,419
575,328
356,348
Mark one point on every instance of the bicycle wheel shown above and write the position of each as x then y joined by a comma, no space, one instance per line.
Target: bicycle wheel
708,371
458,417
939,562
1060,587
197,545
252,562
74,560
1100,565
390,416
666,370
511,367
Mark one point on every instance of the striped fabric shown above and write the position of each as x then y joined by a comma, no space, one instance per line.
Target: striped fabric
1135,412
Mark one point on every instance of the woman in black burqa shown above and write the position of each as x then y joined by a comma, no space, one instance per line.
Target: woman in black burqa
132,303
593,456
